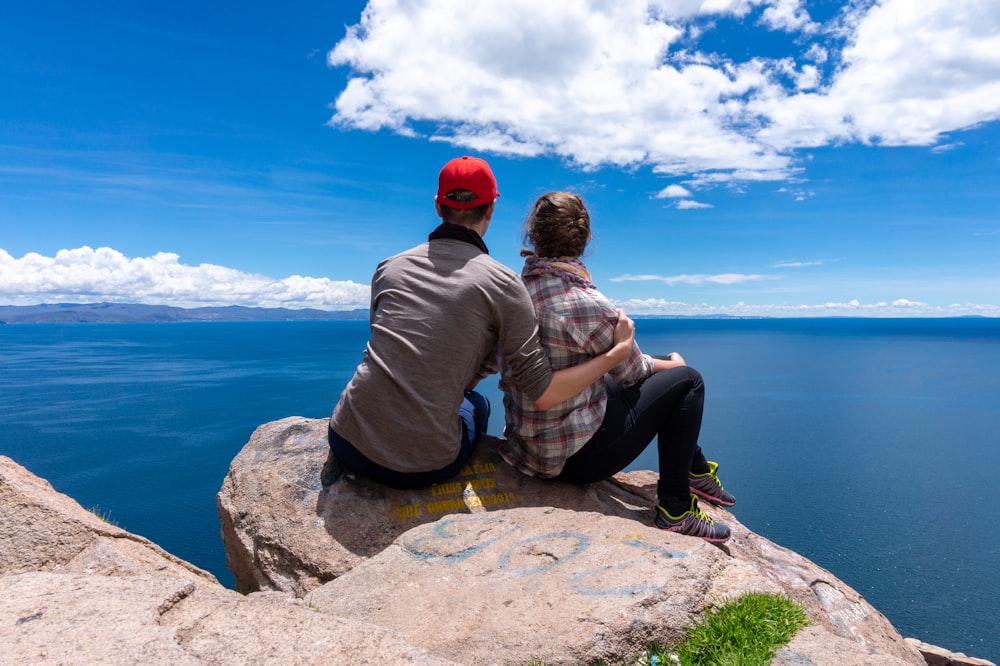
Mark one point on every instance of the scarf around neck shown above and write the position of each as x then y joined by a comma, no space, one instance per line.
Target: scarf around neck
570,269
458,232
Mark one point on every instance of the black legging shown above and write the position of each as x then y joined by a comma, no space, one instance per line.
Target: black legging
667,405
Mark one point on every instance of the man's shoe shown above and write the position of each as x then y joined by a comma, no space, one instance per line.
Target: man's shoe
693,523
331,472
708,487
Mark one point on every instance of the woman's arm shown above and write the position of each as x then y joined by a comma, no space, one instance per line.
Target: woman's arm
569,382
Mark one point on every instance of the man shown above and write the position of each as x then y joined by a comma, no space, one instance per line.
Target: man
440,313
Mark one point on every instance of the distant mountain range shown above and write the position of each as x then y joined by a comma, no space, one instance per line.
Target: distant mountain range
120,313
76,313
110,313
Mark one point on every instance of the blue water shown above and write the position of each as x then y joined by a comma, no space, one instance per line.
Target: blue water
868,445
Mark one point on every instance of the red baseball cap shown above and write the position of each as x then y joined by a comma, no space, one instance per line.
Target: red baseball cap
467,173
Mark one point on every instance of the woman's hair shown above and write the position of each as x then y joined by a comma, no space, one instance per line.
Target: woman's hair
558,226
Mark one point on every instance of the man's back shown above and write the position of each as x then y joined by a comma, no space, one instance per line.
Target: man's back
439,310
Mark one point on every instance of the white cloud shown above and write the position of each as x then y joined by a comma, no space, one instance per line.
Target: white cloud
629,83
797,264
85,275
910,72
697,280
778,14
808,78
908,304
691,204
787,15
947,147
853,308
817,53
673,192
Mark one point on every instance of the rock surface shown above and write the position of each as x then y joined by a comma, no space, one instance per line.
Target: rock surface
491,568
76,590
938,656
497,567
42,530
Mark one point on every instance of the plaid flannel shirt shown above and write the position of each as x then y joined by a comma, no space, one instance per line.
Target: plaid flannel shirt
576,322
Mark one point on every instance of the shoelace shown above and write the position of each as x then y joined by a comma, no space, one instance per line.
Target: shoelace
699,514
710,474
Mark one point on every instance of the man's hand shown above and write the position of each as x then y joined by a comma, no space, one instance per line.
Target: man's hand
624,338
624,329
572,380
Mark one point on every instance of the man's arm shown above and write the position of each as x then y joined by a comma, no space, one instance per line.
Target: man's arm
568,382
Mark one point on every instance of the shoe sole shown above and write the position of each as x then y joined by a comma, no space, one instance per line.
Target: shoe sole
714,540
708,539
713,500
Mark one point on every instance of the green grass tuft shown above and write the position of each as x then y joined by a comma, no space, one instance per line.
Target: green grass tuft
103,515
745,632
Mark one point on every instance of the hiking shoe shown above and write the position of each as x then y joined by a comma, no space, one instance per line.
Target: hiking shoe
693,523
708,487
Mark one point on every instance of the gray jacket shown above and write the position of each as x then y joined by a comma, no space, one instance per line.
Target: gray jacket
439,313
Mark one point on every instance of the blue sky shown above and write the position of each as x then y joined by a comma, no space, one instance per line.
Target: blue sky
749,157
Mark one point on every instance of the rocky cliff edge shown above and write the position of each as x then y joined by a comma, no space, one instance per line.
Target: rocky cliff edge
492,568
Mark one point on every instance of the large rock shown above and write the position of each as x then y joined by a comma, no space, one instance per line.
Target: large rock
162,619
492,568
938,656
42,530
497,567
75,590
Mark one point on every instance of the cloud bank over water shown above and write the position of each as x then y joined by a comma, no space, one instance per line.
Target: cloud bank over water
86,275
899,308
650,83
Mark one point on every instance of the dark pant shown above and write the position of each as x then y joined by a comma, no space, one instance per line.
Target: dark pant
475,415
666,405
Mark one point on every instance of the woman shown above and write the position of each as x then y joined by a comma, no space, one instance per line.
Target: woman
599,432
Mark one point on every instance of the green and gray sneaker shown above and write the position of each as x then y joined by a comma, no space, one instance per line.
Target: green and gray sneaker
693,523
708,487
